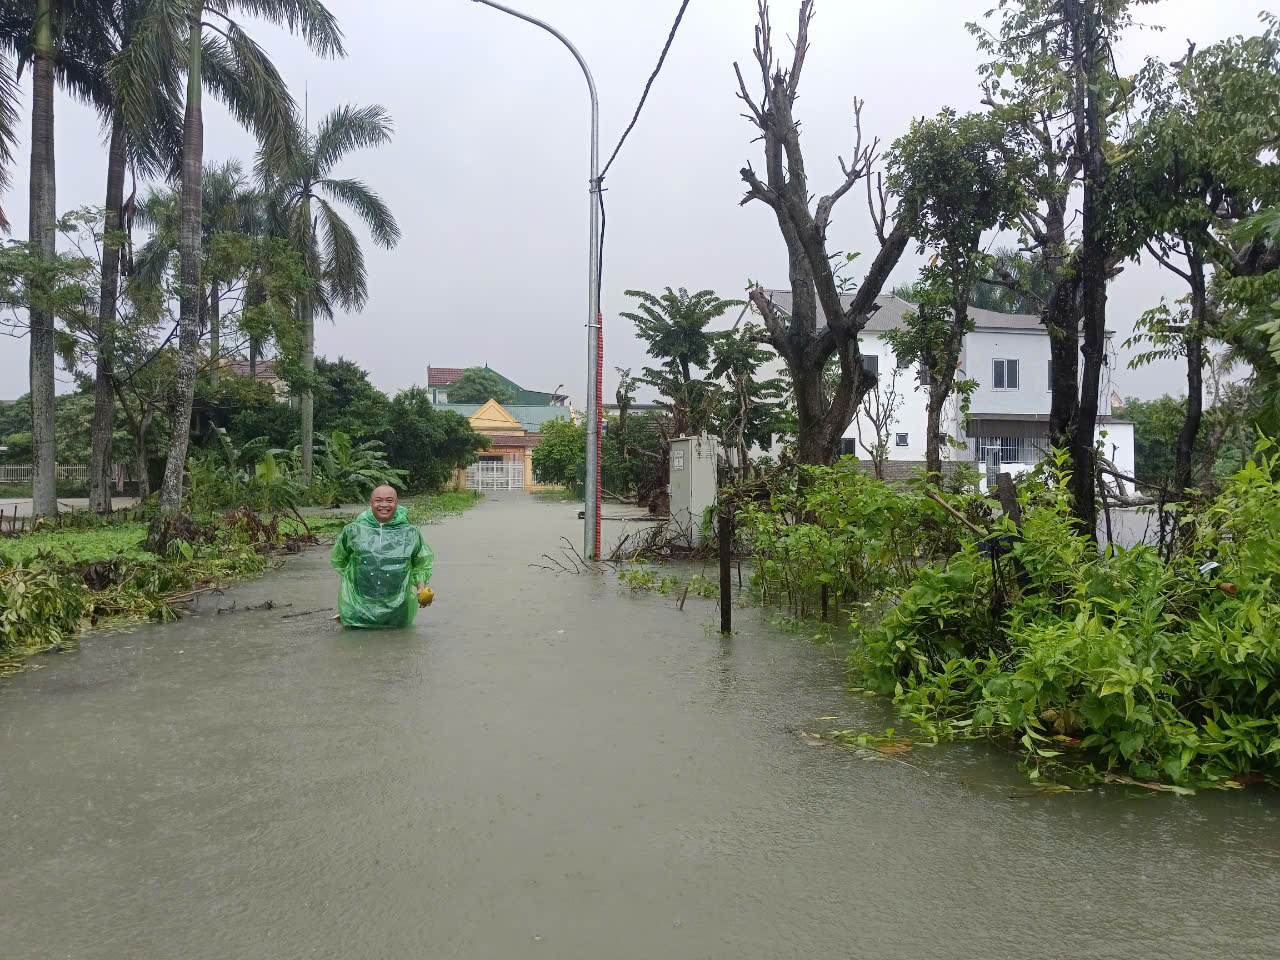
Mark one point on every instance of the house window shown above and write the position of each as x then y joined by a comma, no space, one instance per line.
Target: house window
926,379
1004,374
901,439
871,364
1050,387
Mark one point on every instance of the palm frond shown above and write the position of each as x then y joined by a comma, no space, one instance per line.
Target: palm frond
148,62
344,273
311,18
156,152
238,72
348,128
368,206
9,95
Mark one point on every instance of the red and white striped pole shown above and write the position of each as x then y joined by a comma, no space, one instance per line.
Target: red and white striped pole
600,418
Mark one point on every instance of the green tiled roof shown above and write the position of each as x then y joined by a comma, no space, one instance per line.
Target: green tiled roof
531,416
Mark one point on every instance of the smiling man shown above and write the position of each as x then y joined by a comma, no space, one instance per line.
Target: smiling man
383,562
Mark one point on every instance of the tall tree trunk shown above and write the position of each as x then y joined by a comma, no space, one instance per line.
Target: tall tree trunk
1185,449
306,402
140,464
933,435
104,392
215,331
256,296
1082,20
138,426
942,383
43,235
1061,318
189,301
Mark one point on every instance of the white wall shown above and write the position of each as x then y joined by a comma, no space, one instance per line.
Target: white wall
1030,349
911,415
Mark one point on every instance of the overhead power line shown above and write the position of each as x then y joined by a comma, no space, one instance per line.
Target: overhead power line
621,140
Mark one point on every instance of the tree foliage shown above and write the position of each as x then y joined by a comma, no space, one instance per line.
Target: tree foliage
480,385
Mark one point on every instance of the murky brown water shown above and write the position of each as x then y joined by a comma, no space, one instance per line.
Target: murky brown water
548,766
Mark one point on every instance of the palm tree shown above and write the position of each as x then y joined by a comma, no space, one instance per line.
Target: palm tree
304,194
219,54
1032,282
28,29
229,203
675,325
153,150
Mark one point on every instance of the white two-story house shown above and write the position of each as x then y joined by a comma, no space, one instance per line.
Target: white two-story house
1008,356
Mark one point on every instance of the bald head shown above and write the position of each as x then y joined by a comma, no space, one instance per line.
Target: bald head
383,502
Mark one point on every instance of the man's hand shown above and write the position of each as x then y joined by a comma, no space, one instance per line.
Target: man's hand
425,595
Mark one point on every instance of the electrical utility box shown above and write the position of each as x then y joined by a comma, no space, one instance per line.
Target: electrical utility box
691,481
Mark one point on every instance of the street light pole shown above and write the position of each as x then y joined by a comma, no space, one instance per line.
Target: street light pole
591,511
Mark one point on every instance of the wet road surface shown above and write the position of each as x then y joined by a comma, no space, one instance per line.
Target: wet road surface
548,766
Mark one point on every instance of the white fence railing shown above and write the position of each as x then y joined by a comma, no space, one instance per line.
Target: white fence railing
496,475
21,472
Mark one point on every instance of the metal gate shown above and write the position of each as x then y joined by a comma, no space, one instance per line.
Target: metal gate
496,475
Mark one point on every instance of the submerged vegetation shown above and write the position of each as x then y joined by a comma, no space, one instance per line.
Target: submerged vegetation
55,581
1155,664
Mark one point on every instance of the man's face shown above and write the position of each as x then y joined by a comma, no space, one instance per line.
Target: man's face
383,504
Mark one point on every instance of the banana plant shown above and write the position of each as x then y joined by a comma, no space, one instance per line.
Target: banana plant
354,470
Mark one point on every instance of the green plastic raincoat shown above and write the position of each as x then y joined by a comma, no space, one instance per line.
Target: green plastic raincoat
381,565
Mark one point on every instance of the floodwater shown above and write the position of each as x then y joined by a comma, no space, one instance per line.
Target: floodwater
548,766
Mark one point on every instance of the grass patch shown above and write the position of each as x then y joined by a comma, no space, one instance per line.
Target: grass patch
22,491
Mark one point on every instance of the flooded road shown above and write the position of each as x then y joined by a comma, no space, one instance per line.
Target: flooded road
547,766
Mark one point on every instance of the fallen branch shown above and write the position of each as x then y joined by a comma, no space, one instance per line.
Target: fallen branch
291,616
957,514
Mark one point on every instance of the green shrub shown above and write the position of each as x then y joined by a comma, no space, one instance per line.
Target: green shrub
38,608
1094,663
841,529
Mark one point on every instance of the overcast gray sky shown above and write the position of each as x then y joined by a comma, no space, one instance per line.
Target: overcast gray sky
487,173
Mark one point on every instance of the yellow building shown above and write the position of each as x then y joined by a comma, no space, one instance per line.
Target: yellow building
514,433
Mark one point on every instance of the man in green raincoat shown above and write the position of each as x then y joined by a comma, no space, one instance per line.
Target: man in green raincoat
383,562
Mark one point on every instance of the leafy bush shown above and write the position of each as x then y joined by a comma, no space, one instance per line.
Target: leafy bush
1119,662
351,470
38,608
480,385
561,456
842,529
427,443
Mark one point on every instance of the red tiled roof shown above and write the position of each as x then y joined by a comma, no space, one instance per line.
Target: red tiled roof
442,376
240,367
511,441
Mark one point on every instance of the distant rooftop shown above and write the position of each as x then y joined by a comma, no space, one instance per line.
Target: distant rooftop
444,377
531,416
240,367
892,310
